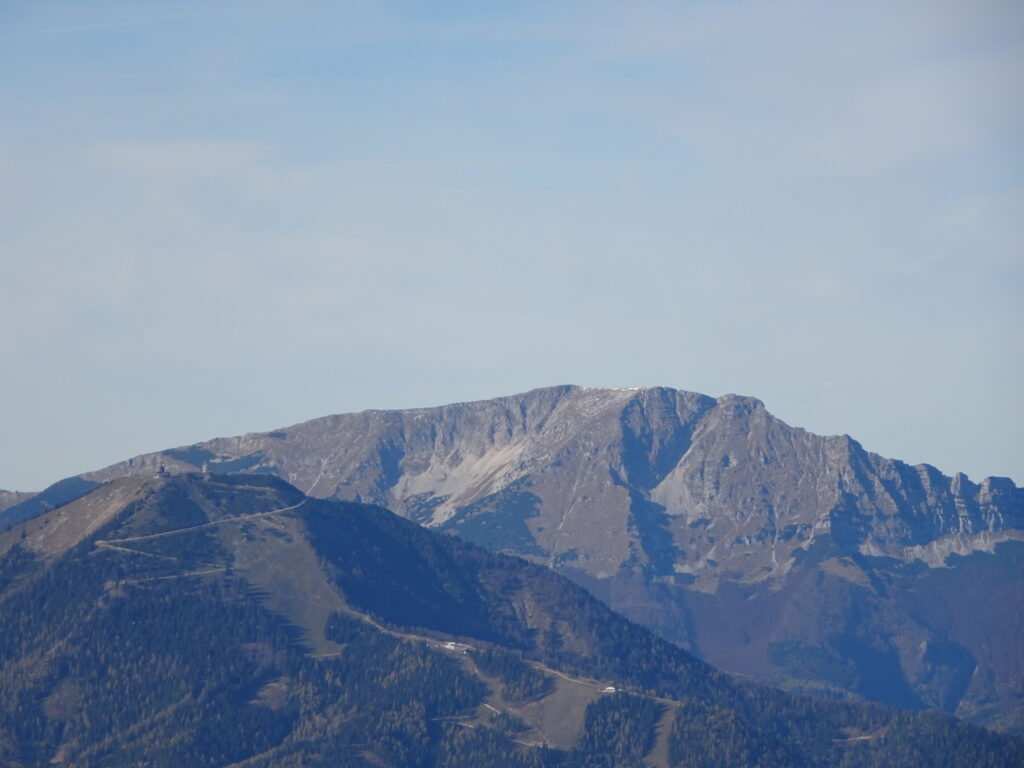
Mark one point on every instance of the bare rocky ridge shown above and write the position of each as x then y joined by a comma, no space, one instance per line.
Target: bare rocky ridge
798,559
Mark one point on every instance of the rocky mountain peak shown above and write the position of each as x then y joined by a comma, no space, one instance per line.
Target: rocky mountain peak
675,481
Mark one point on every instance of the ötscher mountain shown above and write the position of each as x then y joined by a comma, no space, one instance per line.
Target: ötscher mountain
800,560
232,621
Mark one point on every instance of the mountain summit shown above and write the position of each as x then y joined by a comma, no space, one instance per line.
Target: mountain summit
801,560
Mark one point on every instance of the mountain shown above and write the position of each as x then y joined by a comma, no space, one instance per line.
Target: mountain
210,620
799,560
10,498
32,505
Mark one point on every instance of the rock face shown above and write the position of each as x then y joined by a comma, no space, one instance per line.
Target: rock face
801,560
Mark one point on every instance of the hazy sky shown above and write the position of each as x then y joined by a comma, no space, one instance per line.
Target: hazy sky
224,217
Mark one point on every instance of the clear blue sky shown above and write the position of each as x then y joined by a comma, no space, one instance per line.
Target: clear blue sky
223,217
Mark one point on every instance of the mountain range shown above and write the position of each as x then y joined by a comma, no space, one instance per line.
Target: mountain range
231,620
801,561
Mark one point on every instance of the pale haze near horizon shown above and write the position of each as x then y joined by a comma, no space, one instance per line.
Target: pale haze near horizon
218,218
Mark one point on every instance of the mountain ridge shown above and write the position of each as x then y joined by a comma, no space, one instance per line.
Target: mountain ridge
682,511
588,401
10,498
